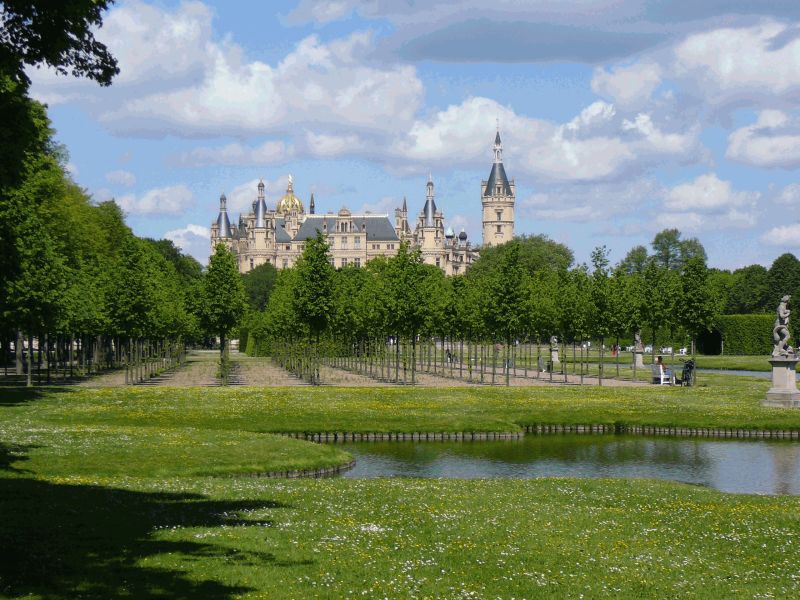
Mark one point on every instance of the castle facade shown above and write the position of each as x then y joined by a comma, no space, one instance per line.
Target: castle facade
278,236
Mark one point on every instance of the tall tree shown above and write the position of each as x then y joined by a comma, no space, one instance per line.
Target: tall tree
313,299
697,307
749,291
258,284
223,294
783,278
635,260
670,251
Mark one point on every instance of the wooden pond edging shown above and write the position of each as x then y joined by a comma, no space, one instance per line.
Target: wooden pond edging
712,432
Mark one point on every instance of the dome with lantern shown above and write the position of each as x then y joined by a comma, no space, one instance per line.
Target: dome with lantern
289,202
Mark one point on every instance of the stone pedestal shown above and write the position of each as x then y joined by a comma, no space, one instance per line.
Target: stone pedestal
638,360
784,392
554,357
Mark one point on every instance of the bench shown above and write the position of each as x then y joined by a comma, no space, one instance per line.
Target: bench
660,378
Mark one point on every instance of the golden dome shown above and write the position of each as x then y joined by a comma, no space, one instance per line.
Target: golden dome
290,202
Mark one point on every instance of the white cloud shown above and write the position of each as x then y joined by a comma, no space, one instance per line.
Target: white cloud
171,200
629,85
329,146
71,169
194,240
727,65
316,83
236,154
772,141
783,236
708,193
121,177
789,195
597,144
696,222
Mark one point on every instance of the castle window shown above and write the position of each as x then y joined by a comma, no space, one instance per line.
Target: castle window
499,215
357,241
251,263
330,260
285,263
344,243
344,262
438,263
499,190
358,262
288,246
499,229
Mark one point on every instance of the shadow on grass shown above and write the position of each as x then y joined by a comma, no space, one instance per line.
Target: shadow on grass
12,396
66,541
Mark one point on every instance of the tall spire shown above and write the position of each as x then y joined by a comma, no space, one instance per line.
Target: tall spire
405,206
498,146
311,206
223,223
261,206
430,205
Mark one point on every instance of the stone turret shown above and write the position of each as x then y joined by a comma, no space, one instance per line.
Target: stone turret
498,196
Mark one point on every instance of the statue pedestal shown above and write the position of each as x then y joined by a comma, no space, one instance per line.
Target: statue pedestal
554,357
638,360
784,392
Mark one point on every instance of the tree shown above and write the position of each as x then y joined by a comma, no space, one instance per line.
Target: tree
313,299
697,306
749,291
536,252
783,278
670,251
600,290
635,260
59,34
258,284
223,295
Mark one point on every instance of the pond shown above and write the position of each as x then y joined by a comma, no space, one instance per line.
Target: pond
752,467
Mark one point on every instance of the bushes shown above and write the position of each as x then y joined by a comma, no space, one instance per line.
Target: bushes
746,334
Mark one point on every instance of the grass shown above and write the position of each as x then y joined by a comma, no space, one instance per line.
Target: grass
396,538
112,493
720,401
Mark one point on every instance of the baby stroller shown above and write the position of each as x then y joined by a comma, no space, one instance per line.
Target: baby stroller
687,374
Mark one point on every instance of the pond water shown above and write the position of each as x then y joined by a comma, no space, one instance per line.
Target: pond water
752,467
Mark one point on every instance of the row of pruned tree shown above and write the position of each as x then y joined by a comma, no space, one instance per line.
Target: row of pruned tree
397,313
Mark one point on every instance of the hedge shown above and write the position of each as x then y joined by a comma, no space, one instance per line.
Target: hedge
747,334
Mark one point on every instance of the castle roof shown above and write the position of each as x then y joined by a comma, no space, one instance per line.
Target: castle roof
379,228
497,176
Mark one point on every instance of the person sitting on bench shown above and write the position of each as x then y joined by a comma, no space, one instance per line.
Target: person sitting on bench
661,373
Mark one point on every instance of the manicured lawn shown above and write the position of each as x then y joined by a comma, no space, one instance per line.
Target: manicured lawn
110,493
396,538
720,401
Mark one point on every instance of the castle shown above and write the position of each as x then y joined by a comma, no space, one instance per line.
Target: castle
278,236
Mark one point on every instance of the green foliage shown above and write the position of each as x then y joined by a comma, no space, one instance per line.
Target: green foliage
224,301
59,34
536,252
697,307
313,290
258,284
747,334
671,252
783,278
749,291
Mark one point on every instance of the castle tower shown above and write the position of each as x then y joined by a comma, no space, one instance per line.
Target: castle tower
221,230
260,207
430,229
498,195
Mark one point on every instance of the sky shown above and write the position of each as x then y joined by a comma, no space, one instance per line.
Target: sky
619,118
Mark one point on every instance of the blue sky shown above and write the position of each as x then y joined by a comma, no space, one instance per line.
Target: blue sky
619,117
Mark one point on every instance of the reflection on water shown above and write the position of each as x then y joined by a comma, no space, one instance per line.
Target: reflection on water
731,466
